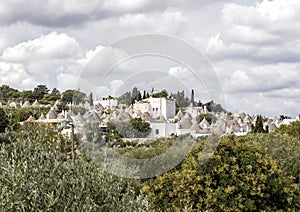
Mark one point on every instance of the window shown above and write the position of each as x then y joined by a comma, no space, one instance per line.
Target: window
156,131
156,109
153,109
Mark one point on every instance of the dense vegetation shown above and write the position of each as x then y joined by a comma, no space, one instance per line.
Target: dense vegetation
253,172
239,176
259,171
36,174
135,128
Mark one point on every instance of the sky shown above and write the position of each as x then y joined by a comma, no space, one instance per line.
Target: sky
253,46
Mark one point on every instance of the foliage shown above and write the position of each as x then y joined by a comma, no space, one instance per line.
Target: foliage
181,100
55,93
27,95
135,128
17,115
193,97
259,126
208,116
92,132
161,94
48,99
237,177
146,150
36,175
3,120
73,96
213,107
293,129
135,95
282,148
7,93
125,98
91,101
40,91
78,109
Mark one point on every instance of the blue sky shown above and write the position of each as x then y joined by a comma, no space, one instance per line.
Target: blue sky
253,46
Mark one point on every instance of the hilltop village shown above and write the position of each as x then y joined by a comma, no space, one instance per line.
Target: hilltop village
159,112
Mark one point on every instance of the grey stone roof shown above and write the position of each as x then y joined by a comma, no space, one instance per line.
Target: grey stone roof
26,104
204,123
179,115
36,104
42,117
186,123
123,116
196,127
217,130
60,116
161,119
51,114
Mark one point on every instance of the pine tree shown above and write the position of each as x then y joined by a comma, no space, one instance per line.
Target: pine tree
91,99
193,98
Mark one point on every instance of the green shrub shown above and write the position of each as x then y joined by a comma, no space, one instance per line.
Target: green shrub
37,175
284,149
239,176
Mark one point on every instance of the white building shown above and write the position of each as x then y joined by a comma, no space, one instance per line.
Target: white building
106,102
156,107
159,130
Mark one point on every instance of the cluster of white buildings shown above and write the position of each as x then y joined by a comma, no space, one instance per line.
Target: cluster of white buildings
162,116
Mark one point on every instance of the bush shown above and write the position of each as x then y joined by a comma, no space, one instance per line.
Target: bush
238,177
293,129
37,175
284,149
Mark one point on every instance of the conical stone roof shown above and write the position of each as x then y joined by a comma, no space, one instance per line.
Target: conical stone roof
196,127
204,124
35,104
26,104
42,117
186,123
51,114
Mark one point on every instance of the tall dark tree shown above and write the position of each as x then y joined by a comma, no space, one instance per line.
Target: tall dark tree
3,120
259,125
144,95
139,96
40,91
193,98
134,94
55,93
181,99
91,101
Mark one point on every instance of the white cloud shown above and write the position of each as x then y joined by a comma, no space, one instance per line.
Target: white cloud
253,45
169,21
50,46
115,86
67,81
260,32
53,59
215,43
16,76
264,78
126,6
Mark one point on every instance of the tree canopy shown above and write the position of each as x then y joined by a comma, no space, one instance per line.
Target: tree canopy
73,96
239,176
135,128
